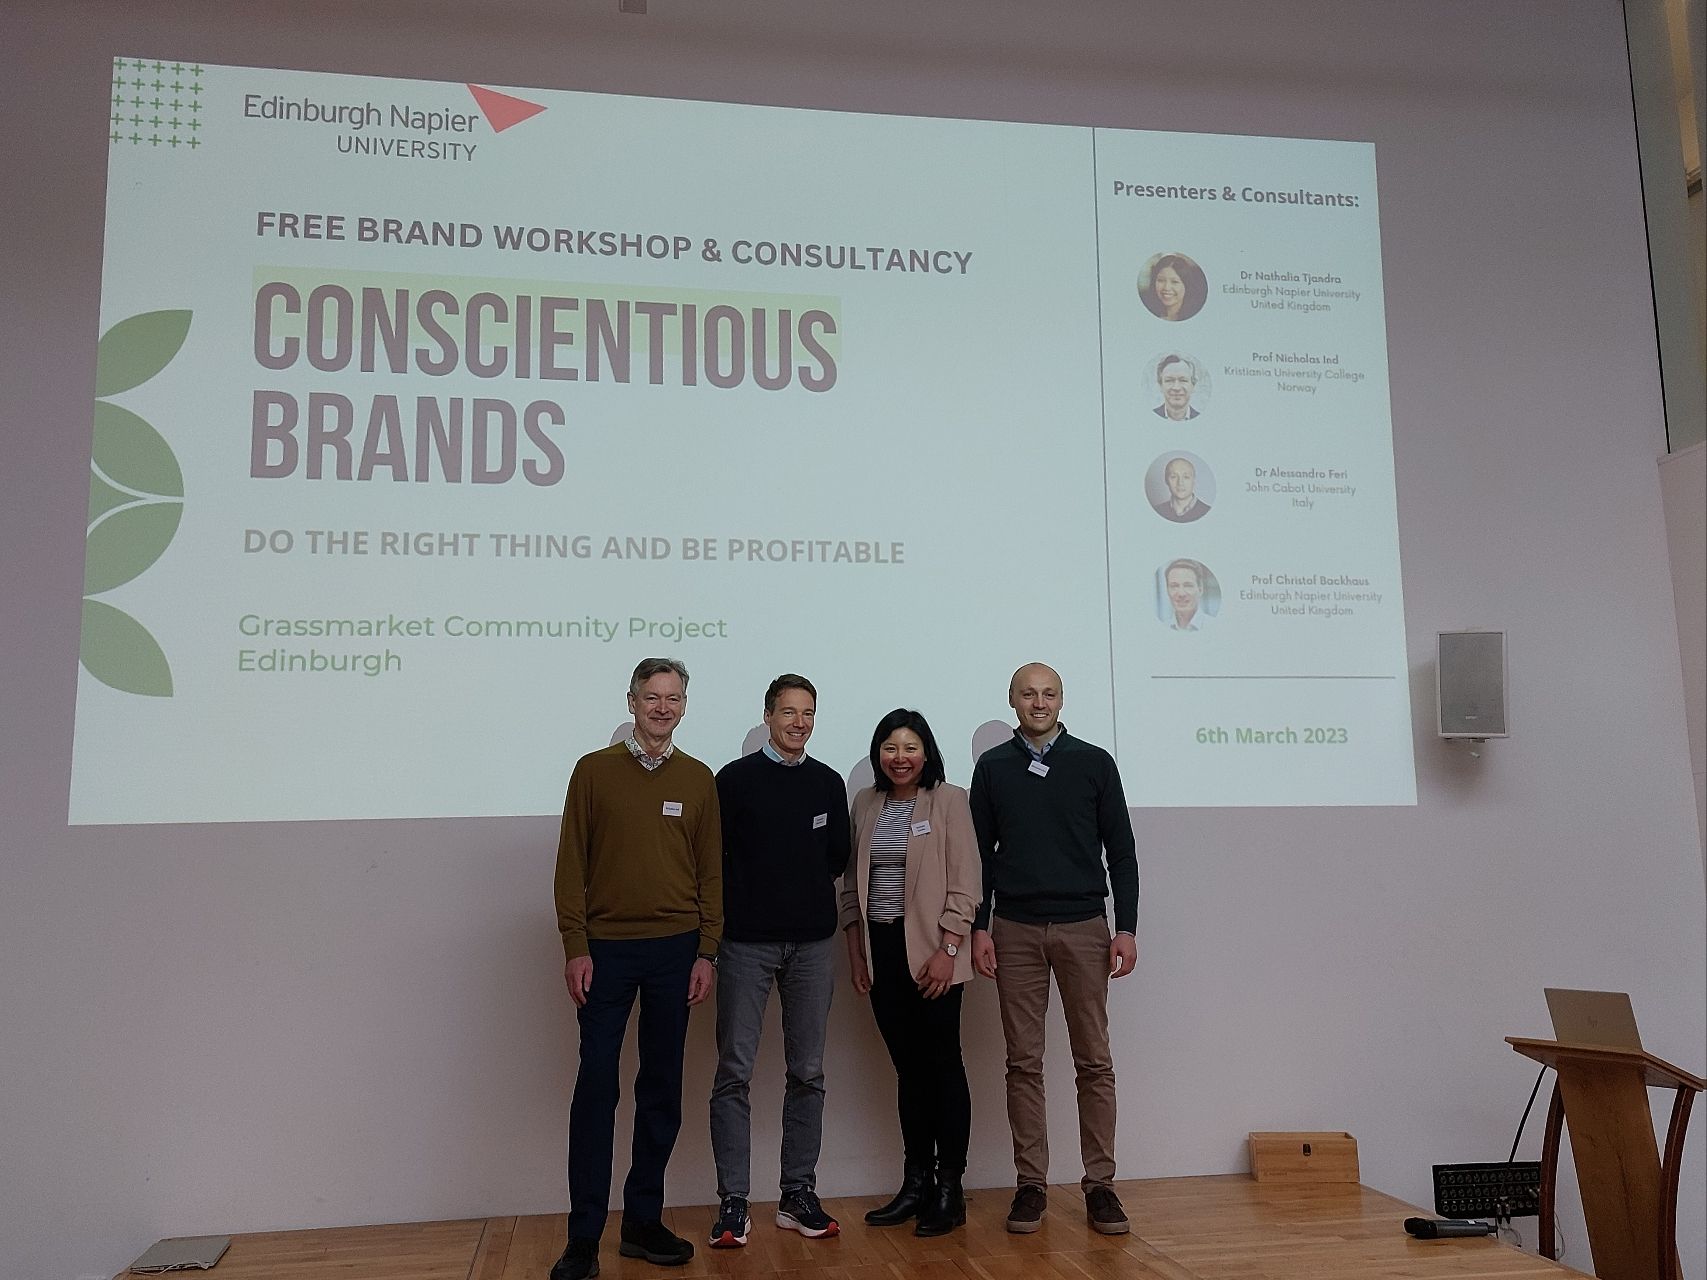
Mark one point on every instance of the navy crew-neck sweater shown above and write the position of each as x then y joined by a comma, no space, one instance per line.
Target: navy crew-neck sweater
1043,839
785,843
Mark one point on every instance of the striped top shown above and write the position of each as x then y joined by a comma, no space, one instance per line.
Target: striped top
886,900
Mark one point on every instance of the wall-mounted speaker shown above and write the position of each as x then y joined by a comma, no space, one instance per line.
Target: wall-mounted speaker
1470,684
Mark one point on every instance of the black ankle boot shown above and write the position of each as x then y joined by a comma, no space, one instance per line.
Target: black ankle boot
917,1190
945,1210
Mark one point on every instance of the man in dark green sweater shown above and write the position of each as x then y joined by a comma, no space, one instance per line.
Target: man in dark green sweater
1056,839
785,843
640,910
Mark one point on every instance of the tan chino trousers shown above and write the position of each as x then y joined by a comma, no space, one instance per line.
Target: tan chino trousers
1077,955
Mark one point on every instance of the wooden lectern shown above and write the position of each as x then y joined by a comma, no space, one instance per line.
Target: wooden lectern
1629,1196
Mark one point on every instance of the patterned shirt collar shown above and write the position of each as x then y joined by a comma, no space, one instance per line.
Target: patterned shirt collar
649,763
772,753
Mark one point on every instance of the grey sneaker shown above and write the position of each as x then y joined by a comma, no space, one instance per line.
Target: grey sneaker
1102,1208
1026,1214
733,1224
800,1211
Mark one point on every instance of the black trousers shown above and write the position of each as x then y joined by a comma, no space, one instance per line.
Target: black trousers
923,1039
656,971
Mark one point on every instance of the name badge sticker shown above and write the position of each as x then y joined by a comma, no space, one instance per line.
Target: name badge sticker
672,808
1039,768
922,827
820,822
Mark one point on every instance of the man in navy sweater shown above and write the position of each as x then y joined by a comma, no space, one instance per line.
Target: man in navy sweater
785,843
1055,838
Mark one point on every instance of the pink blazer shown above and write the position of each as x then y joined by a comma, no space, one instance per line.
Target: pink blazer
944,876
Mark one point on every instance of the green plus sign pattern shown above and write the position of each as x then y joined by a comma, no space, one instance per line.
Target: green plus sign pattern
156,105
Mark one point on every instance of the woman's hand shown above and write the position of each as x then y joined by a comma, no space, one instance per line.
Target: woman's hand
937,975
856,960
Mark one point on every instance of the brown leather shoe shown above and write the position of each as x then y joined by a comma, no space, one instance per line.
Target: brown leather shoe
1026,1214
1103,1209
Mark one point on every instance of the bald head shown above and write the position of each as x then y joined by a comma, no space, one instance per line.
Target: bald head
1034,671
1181,478
1035,695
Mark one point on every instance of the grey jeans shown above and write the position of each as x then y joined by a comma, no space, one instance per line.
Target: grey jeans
804,974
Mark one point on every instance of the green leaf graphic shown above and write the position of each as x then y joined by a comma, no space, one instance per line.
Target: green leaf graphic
127,542
103,497
134,350
118,651
134,454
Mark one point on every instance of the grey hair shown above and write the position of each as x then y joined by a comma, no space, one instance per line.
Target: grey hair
1176,358
650,667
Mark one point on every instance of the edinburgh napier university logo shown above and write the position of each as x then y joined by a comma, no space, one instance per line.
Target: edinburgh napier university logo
398,130
160,106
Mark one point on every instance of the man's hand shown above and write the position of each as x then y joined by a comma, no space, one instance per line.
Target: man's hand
701,980
936,975
983,953
1122,955
856,961
578,977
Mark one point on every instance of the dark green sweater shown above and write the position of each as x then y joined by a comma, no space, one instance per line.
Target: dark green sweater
1043,838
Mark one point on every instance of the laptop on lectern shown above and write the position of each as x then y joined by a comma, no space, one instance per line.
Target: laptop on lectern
1593,1017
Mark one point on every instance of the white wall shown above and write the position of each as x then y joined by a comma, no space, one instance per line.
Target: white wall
239,1027
1683,490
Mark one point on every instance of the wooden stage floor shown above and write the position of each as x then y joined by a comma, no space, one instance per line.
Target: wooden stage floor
1214,1228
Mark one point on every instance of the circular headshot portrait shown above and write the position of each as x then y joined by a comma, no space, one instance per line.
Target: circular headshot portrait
1180,487
1172,286
1180,383
1188,598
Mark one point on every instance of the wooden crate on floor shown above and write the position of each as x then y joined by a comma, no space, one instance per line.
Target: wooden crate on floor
1304,1157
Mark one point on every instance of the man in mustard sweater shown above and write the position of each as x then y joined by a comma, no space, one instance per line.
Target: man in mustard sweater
640,908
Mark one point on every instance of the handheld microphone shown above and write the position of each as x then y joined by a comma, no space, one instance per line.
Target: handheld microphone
1445,1228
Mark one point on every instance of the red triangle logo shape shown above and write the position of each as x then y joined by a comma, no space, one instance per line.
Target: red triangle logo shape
501,110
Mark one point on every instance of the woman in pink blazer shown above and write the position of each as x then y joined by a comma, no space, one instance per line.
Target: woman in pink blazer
907,905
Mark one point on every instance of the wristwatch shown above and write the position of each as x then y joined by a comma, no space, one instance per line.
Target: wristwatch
951,949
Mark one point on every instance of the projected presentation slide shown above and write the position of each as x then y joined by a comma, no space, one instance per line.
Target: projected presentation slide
1258,630
423,411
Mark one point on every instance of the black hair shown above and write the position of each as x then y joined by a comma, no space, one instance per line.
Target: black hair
1191,277
901,718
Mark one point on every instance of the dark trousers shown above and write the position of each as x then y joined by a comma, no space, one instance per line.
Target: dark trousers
656,970
923,1039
